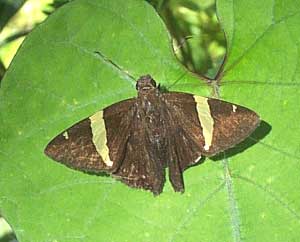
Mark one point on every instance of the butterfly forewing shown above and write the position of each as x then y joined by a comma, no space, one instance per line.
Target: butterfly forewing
232,124
211,124
97,143
74,148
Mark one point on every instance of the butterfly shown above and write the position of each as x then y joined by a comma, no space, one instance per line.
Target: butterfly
137,139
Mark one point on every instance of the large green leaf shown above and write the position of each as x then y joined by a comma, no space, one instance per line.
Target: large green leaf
56,79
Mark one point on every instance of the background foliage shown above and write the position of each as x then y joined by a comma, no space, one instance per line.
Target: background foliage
244,195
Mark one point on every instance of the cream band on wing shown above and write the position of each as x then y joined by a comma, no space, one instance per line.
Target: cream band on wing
99,137
206,120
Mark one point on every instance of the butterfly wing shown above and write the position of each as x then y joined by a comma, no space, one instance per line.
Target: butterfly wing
205,126
116,141
97,143
141,166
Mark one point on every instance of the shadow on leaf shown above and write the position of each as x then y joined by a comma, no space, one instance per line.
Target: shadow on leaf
262,130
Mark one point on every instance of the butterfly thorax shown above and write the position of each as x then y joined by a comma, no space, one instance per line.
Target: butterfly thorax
150,114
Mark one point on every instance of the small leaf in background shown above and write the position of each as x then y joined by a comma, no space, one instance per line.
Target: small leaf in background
56,79
199,41
17,19
8,9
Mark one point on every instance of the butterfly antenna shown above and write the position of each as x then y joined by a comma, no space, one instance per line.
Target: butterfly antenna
115,66
176,81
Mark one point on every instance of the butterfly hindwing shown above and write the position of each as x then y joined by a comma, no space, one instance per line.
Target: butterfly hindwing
141,167
185,140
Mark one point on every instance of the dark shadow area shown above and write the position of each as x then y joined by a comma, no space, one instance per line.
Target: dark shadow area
2,71
104,174
9,238
262,131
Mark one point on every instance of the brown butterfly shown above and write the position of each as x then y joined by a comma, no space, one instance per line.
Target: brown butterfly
135,140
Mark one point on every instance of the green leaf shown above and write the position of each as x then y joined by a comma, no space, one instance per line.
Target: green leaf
56,79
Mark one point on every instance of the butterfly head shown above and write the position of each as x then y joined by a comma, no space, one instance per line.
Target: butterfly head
145,83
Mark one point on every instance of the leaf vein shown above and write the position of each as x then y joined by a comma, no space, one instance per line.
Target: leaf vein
256,41
233,208
193,209
272,194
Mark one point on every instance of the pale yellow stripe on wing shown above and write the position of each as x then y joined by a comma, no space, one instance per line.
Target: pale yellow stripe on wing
206,120
99,137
